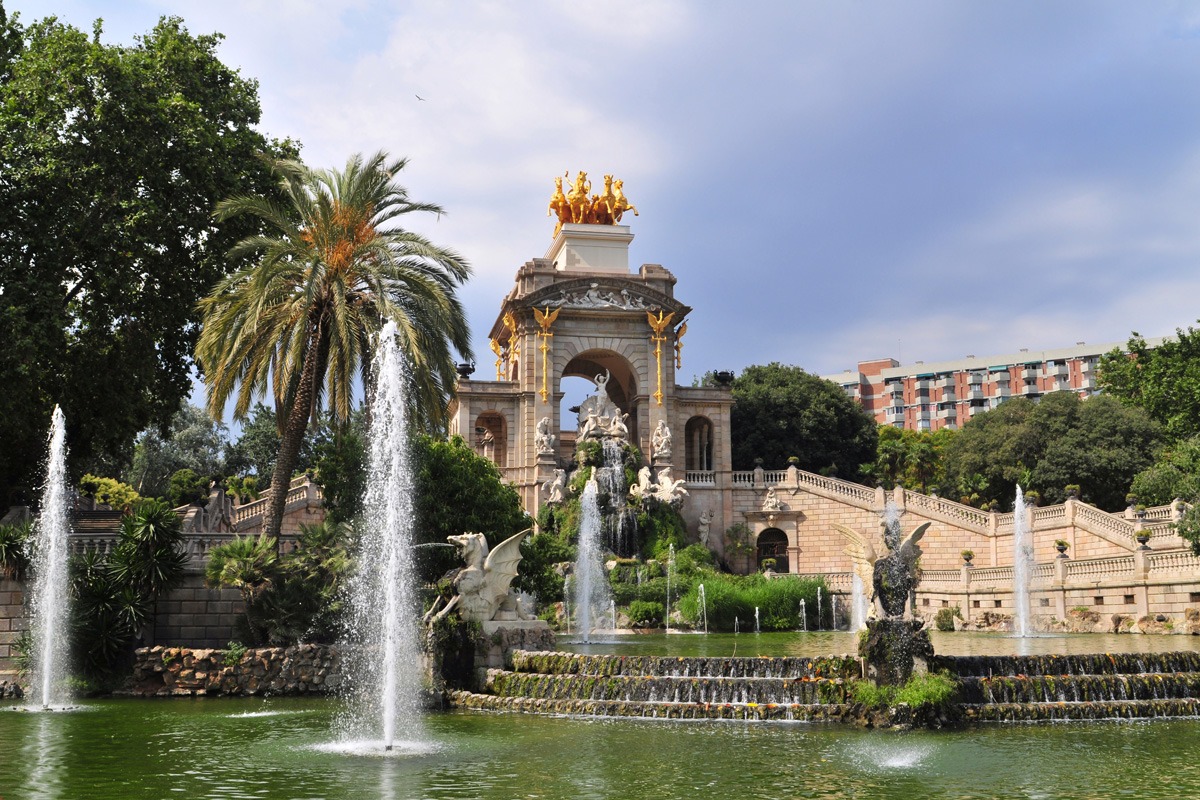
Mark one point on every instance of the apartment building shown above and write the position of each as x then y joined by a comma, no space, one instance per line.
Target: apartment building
945,394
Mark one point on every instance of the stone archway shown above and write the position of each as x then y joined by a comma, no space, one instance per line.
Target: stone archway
621,386
491,438
773,543
698,444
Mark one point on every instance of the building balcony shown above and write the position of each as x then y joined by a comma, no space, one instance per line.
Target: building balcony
947,413
1088,367
1030,389
1056,370
1001,377
922,385
893,414
974,378
948,396
894,388
1029,374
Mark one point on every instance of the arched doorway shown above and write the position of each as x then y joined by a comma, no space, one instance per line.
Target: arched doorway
491,438
621,387
698,434
773,543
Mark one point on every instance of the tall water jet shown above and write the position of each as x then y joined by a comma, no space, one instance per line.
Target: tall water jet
820,623
670,568
1022,566
383,616
49,599
859,603
700,595
803,616
592,597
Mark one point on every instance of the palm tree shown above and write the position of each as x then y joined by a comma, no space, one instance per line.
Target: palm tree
300,321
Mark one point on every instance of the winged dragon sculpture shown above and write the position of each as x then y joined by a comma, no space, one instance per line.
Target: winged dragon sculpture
483,584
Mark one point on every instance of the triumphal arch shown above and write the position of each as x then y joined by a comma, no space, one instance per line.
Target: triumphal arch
580,311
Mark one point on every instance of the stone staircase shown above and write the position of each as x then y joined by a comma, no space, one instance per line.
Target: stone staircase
991,688
658,687
1080,687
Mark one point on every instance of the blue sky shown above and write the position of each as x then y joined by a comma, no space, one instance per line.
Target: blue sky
829,181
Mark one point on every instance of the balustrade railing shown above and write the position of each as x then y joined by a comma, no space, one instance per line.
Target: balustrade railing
1090,516
706,477
1100,567
947,509
935,576
1179,561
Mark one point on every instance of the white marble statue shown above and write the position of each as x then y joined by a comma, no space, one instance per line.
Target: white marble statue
771,501
544,440
669,491
706,518
660,441
557,488
645,485
484,582
617,428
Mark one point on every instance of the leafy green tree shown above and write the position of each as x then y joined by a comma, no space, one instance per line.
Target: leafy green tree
108,491
1164,381
911,458
459,491
194,441
301,321
248,564
187,488
1061,440
340,462
1175,474
254,451
112,158
781,411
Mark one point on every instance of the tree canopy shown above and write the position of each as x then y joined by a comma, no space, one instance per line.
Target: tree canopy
781,411
301,321
1060,440
112,159
1164,381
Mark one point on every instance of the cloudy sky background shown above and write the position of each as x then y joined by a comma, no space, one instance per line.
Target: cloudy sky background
829,181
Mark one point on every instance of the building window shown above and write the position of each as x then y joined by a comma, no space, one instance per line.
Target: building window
924,601
999,603
1128,599
1044,602
1097,600
975,604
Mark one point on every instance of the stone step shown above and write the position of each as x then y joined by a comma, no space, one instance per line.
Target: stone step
1089,664
1044,712
1079,688
560,663
820,712
655,689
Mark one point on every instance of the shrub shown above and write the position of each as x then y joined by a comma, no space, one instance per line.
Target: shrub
943,620
15,545
736,596
187,488
645,613
108,491
233,653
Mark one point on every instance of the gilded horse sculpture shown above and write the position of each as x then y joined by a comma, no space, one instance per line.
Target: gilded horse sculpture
576,206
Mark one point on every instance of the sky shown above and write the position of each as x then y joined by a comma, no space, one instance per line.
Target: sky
830,182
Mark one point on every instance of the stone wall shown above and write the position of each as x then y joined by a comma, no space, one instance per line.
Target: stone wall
185,672
197,616
12,623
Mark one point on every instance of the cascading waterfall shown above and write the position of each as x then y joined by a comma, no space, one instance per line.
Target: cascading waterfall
859,604
49,600
670,569
592,597
383,615
620,521
1022,566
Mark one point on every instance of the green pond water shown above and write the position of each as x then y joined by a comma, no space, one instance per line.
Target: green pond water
286,748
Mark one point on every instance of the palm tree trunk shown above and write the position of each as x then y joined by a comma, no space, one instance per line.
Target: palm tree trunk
294,429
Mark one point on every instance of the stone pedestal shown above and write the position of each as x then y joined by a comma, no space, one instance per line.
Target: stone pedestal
591,248
499,638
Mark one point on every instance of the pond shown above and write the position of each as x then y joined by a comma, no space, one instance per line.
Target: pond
281,748
210,748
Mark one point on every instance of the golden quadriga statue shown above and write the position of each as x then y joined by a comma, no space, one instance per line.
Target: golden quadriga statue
578,205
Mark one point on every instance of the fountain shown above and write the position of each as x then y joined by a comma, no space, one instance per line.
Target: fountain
820,622
833,623
49,599
386,678
803,616
1022,566
860,606
756,628
703,605
592,597
670,567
